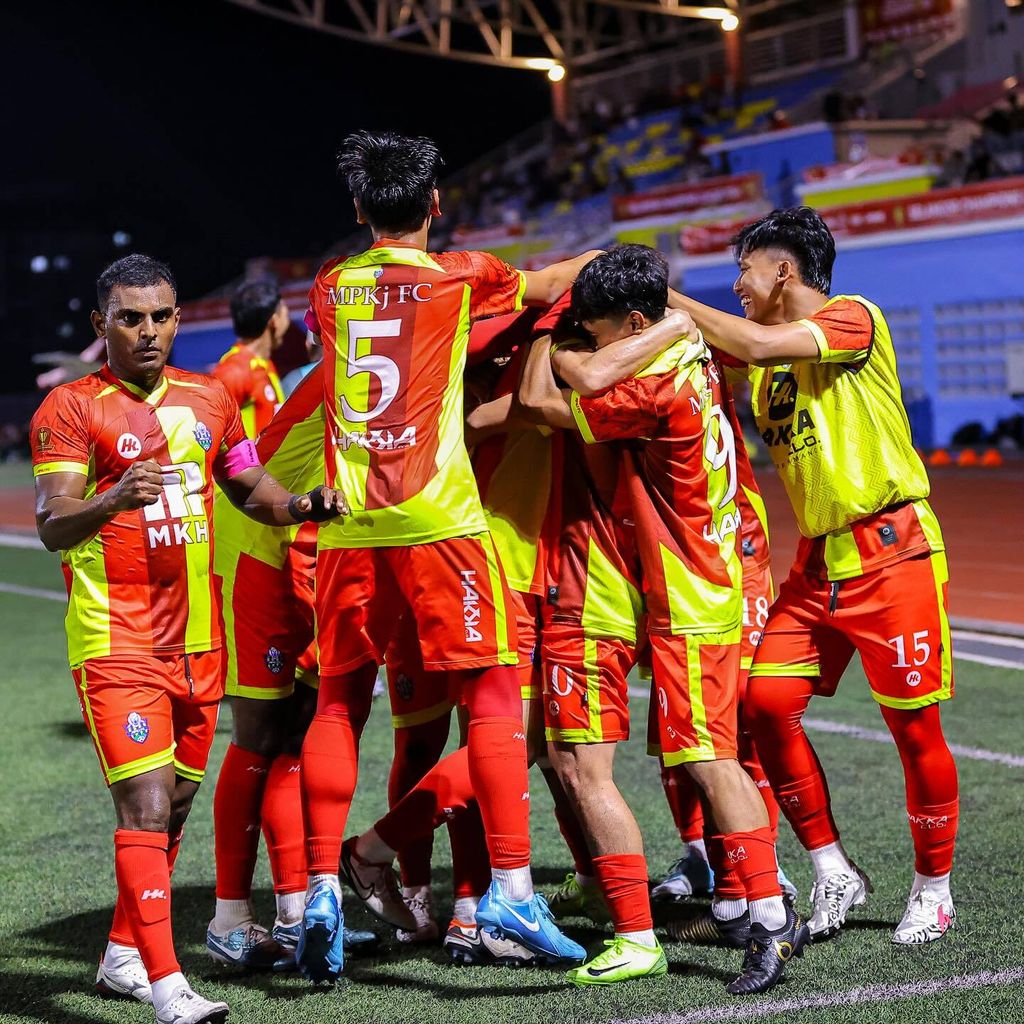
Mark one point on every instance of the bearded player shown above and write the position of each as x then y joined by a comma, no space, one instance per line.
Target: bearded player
124,462
870,574
394,323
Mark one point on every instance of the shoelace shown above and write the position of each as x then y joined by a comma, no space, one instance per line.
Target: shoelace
565,890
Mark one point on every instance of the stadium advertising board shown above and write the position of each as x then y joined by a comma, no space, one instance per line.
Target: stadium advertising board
989,200
882,20
723,191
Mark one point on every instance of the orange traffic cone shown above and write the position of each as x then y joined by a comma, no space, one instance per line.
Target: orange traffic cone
992,458
968,457
940,457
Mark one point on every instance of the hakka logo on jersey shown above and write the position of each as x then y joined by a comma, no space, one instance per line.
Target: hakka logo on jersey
129,446
378,295
470,606
913,679
136,727
153,894
274,660
179,508
403,686
203,436
554,708
782,395
379,440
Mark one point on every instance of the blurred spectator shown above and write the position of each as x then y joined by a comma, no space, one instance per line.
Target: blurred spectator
979,162
954,171
779,121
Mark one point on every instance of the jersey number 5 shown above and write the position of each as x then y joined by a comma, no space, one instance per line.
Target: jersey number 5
384,369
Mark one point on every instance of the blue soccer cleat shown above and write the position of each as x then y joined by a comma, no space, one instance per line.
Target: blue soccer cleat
688,876
530,923
354,942
320,953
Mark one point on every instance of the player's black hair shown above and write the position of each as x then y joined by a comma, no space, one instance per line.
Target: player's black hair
623,279
252,306
799,232
134,271
392,177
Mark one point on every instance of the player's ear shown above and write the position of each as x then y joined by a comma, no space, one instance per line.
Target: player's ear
785,271
360,217
636,321
435,204
99,324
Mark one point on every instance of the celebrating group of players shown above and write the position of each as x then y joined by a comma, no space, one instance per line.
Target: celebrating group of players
511,509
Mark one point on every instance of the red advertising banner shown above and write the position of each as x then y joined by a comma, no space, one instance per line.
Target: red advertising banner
725,191
986,200
882,20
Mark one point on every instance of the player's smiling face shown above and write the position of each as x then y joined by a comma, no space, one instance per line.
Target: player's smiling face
759,286
139,325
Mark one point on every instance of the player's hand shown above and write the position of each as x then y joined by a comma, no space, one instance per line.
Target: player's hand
142,484
319,505
686,326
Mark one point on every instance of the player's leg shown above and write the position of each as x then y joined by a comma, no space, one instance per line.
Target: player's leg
800,657
697,680
897,618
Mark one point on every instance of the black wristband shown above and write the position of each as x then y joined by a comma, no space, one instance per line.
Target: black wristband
293,509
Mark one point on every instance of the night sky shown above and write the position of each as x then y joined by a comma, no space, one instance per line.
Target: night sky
205,131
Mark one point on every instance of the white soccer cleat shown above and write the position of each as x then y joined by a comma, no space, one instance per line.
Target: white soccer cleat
377,886
927,918
124,977
188,1007
421,903
832,899
471,946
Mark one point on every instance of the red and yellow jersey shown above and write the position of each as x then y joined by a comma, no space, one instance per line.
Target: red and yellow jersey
253,383
681,469
143,583
838,434
292,451
395,324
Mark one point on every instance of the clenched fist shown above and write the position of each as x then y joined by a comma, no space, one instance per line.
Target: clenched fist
141,485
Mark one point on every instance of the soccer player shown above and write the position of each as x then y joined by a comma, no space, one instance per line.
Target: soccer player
265,576
681,478
124,462
870,574
394,323
260,318
314,353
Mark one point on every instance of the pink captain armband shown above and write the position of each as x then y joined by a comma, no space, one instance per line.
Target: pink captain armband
240,458
309,319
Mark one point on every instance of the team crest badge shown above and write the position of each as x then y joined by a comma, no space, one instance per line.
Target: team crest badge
379,272
136,727
403,686
274,660
203,436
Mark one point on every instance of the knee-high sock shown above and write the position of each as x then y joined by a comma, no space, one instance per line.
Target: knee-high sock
752,854
683,801
236,820
120,927
497,763
144,892
623,881
931,782
283,827
773,711
417,750
329,763
471,866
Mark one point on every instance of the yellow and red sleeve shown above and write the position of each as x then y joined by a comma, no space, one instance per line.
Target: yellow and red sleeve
843,332
59,434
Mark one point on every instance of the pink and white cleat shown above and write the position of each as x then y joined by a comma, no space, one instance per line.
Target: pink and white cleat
928,917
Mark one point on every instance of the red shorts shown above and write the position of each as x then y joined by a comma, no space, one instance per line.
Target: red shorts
454,589
586,692
694,697
417,696
758,594
895,618
307,668
529,613
268,624
148,711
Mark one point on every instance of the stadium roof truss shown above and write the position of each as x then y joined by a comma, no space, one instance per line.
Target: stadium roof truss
530,34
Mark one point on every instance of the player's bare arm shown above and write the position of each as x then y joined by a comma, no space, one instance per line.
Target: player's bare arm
496,417
542,400
759,344
590,371
545,287
256,493
65,518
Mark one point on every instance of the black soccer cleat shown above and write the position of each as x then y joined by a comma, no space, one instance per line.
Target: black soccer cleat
708,930
768,953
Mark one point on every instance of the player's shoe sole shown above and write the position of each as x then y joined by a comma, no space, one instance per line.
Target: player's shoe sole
468,946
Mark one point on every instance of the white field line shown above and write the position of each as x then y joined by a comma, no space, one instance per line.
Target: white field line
761,1008
989,638
880,736
47,595
985,659
21,540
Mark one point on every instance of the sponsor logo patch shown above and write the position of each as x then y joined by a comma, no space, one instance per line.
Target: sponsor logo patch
129,447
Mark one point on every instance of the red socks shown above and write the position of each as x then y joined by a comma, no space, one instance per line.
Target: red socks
623,881
417,750
752,854
120,927
933,804
330,763
498,772
281,814
144,894
773,710
236,820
